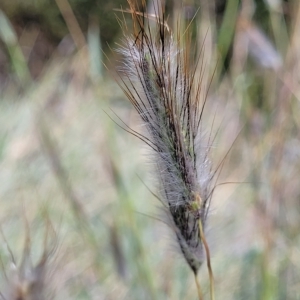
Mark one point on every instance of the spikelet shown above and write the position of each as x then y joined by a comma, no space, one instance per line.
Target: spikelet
159,80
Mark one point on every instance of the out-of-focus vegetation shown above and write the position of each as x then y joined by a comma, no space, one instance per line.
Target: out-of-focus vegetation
75,186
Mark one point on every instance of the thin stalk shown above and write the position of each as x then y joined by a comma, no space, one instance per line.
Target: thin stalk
200,295
210,272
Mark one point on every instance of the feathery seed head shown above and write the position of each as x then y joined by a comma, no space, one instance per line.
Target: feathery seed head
27,286
160,82
30,281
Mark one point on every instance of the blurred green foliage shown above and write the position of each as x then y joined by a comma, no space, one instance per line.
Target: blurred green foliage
46,14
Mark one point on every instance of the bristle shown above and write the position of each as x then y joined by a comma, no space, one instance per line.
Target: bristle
159,80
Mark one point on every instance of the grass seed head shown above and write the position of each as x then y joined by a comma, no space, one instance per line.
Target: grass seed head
159,79
31,281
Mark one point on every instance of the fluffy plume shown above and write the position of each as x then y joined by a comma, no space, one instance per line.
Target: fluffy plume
159,79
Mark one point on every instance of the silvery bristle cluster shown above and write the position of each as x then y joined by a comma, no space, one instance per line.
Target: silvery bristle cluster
160,81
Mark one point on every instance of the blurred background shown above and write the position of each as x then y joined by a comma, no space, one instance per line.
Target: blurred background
78,216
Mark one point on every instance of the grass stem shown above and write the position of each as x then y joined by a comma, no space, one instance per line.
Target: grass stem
200,295
211,276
